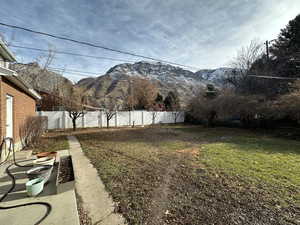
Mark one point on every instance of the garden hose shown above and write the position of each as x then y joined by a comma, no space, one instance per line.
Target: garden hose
13,180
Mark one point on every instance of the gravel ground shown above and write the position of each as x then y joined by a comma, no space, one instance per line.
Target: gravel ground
83,215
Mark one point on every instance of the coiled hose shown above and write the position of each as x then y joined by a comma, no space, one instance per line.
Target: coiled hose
13,180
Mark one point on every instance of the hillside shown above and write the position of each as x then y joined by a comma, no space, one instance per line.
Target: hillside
115,83
38,78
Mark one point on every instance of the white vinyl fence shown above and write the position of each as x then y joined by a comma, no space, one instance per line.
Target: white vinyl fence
61,119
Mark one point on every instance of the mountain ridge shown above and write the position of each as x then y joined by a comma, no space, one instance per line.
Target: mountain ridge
114,84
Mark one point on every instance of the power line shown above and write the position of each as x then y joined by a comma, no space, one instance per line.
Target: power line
71,53
78,75
72,73
72,70
93,45
273,77
69,72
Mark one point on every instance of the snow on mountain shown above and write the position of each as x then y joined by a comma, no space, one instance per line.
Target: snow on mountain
167,77
215,76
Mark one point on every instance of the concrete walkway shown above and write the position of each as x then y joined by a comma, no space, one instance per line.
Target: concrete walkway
64,207
95,199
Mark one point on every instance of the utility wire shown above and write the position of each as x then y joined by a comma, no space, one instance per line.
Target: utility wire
273,77
72,70
93,45
72,73
71,53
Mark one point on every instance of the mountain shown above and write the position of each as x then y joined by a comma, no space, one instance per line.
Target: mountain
38,78
215,76
115,83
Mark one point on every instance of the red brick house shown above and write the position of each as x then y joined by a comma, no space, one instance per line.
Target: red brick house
17,100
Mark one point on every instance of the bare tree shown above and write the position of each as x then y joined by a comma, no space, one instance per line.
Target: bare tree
176,110
143,94
110,110
243,66
203,109
176,115
34,73
154,115
74,104
154,109
48,59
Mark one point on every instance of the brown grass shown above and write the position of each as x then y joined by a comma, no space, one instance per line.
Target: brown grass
182,175
51,142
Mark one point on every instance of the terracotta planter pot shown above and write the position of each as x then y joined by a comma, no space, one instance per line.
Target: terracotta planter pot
46,154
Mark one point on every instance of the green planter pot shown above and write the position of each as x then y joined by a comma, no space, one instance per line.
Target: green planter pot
43,172
35,186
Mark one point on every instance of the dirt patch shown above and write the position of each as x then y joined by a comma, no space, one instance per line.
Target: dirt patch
192,151
159,201
66,172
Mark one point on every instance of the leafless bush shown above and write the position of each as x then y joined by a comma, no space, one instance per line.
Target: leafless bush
249,109
32,130
289,104
203,109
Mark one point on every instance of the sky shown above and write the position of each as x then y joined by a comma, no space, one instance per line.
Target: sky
199,33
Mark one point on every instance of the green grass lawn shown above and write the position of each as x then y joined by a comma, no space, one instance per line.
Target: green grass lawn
196,175
267,161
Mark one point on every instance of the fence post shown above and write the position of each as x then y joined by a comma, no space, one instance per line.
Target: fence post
132,116
67,120
142,118
100,119
82,121
129,113
116,119
64,120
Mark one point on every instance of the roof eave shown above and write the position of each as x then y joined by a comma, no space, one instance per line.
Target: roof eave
13,77
6,53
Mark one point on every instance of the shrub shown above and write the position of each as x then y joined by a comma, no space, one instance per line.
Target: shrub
32,130
251,110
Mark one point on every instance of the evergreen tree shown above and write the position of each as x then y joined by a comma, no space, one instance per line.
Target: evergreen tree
171,101
210,92
286,50
159,98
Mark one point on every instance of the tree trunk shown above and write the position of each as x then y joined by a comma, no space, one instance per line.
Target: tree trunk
107,123
74,124
211,119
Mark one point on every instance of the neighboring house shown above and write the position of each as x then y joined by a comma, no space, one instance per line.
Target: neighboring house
49,102
53,102
17,100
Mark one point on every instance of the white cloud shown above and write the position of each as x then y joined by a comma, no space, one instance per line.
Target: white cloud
202,33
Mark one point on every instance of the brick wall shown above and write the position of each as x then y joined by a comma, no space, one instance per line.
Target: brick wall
23,106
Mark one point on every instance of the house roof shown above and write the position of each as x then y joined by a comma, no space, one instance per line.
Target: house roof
6,53
12,76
